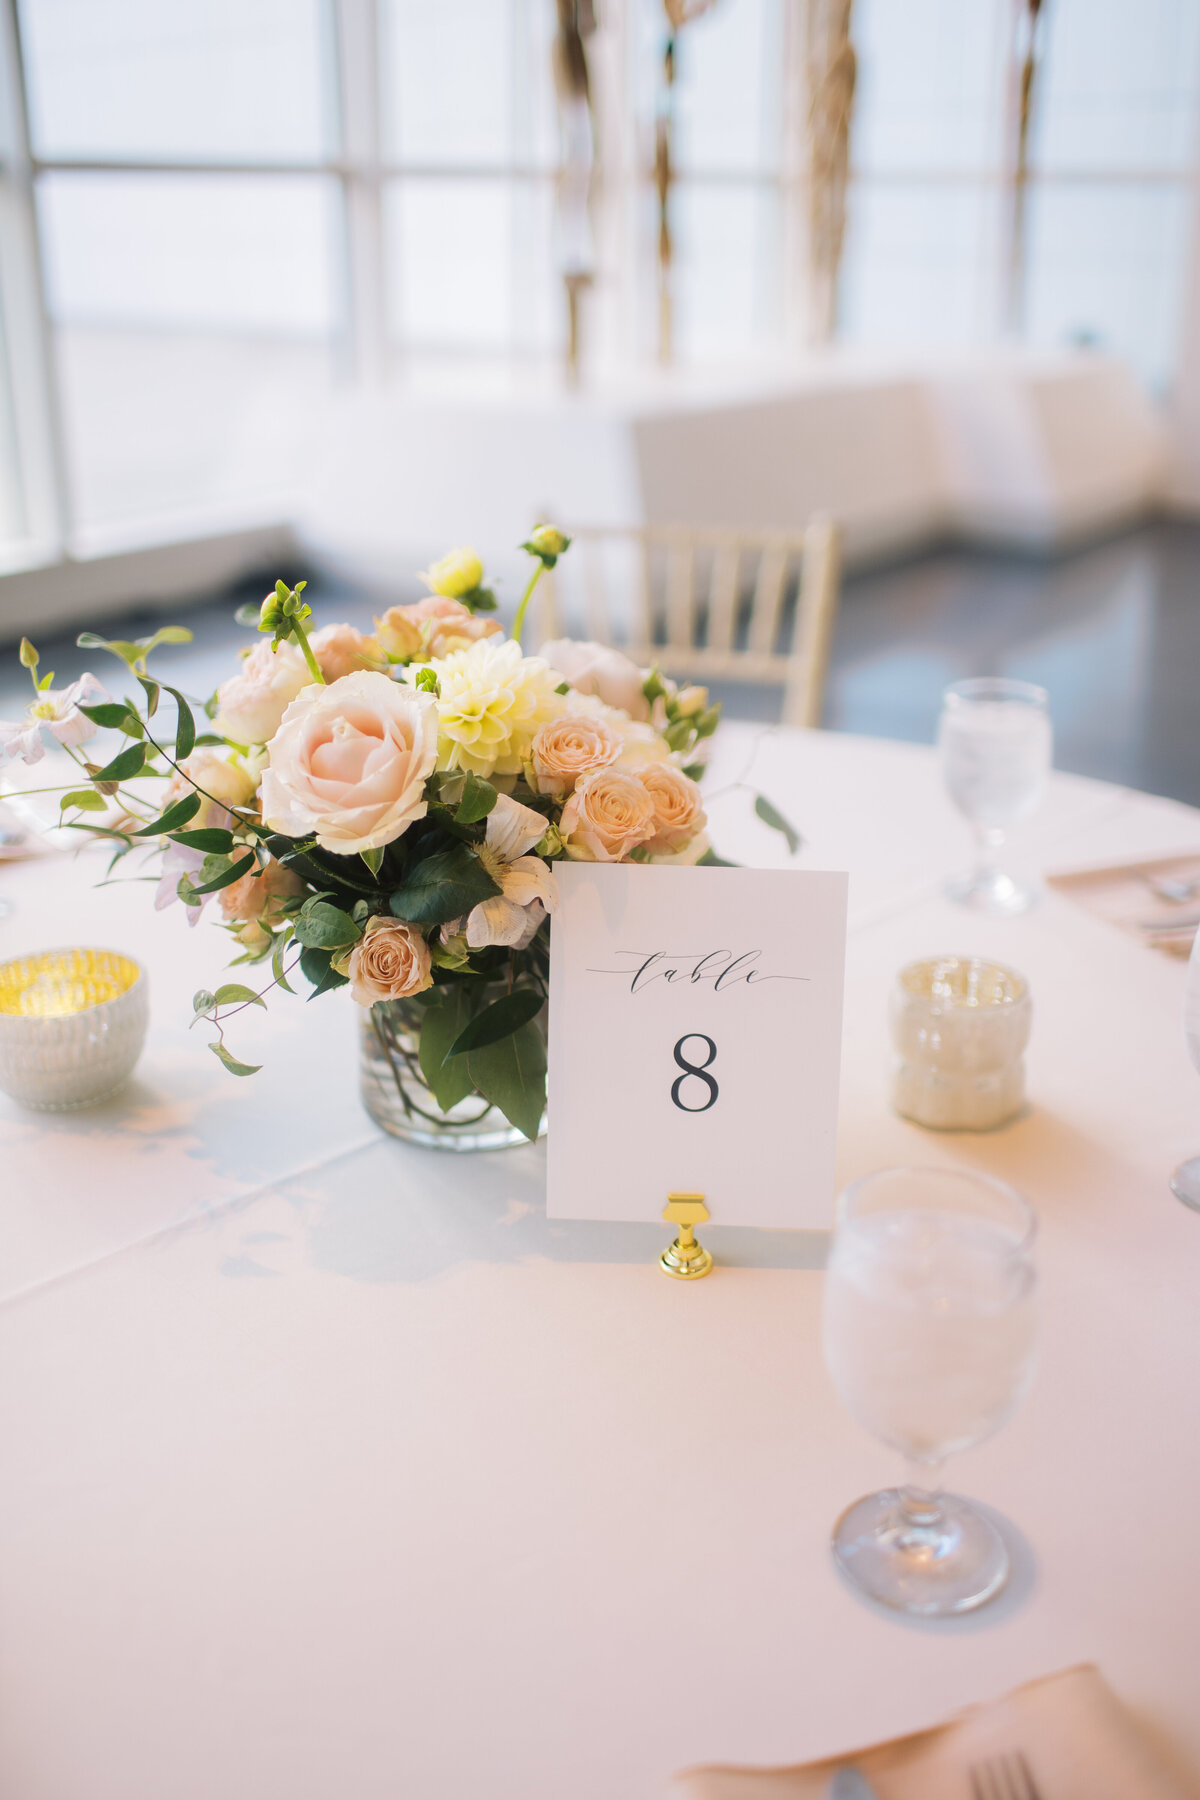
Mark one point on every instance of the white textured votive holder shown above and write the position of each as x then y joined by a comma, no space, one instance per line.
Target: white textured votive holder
959,1026
72,1026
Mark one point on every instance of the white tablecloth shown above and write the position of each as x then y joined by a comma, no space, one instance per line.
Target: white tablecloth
332,1471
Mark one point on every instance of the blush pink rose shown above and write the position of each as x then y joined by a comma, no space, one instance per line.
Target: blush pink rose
566,748
609,814
598,669
349,763
254,895
224,785
433,627
251,705
390,959
678,810
341,649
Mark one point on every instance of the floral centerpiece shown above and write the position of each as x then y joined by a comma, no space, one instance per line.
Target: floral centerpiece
384,812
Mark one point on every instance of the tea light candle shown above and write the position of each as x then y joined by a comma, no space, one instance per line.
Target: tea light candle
960,1026
72,1025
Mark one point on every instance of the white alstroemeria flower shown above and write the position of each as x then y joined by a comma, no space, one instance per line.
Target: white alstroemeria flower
527,894
57,711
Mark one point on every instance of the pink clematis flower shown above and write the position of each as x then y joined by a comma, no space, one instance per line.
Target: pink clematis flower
57,711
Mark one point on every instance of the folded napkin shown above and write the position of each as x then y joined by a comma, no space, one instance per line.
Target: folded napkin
1124,895
1079,1741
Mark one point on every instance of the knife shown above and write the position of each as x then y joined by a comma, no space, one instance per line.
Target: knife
848,1784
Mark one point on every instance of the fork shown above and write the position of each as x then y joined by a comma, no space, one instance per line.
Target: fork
1172,887
1004,1777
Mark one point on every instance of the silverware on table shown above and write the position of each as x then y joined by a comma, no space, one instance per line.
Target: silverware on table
1004,1777
848,1784
1188,924
1172,887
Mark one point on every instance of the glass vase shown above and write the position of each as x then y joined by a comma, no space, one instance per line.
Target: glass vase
400,1100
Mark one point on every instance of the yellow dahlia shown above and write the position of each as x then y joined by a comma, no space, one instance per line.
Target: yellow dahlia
492,701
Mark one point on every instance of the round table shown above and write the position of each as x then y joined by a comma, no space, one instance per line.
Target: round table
331,1468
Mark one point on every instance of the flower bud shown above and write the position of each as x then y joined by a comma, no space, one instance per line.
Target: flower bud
459,572
29,656
689,701
271,614
548,542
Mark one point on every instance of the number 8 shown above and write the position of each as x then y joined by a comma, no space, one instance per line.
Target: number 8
700,1071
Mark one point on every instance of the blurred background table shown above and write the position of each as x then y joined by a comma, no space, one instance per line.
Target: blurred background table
332,1467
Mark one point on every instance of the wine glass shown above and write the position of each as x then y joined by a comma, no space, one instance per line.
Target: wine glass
995,741
929,1333
1185,1182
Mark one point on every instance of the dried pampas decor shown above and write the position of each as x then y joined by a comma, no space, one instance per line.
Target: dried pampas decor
1028,47
572,83
832,70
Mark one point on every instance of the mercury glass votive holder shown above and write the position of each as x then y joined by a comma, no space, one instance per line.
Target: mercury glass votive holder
72,1026
959,1027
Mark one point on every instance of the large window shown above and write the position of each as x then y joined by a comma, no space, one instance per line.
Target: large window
213,210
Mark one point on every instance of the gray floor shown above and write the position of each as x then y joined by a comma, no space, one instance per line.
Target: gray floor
1113,632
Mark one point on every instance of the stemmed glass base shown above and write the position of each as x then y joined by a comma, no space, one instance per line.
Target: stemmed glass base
990,891
1185,1183
920,1553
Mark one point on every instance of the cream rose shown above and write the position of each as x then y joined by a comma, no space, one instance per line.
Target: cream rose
598,669
349,763
609,814
390,959
678,812
250,705
228,784
341,649
566,748
433,627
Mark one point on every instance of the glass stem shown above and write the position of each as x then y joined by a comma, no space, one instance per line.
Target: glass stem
989,843
921,1504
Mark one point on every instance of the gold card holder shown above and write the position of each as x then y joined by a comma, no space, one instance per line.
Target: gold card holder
685,1259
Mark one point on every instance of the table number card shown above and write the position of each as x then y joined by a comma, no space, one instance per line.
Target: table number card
695,1041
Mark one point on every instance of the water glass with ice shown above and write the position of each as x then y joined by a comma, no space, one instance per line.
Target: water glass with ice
929,1326
995,740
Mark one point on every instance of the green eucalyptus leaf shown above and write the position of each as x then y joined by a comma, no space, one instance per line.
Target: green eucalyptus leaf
315,967
152,691
114,716
770,816
443,887
277,968
499,1020
321,926
185,728
232,1064
226,877
86,799
710,860
234,994
123,767
128,653
166,634
477,801
442,1023
511,1073
211,840
174,817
